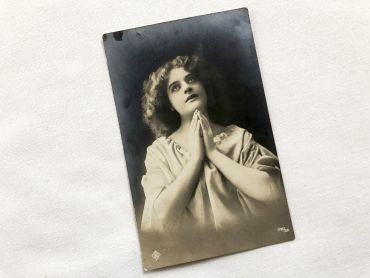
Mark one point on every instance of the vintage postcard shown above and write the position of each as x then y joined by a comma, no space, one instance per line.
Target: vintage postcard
200,154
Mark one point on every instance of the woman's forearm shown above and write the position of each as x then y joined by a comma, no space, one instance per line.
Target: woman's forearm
252,182
172,201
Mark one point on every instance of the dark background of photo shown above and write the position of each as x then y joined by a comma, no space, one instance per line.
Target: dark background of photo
223,39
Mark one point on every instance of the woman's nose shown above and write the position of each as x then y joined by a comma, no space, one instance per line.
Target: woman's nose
188,90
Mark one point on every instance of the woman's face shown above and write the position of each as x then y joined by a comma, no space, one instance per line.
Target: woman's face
185,92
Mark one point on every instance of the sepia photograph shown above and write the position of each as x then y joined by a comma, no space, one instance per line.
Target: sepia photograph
200,154
185,139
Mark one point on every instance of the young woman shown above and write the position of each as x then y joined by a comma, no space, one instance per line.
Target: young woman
202,176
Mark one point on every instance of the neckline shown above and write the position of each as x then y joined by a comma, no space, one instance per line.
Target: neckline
218,138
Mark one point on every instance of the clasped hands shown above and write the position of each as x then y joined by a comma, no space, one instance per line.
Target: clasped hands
200,137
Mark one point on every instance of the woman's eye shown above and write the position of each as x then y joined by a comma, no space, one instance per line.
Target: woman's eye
191,79
175,88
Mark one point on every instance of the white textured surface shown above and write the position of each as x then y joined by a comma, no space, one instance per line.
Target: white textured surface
66,209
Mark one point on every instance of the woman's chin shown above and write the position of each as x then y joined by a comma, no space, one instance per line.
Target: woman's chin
197,105
191,107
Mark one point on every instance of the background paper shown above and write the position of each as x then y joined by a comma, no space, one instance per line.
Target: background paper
66,209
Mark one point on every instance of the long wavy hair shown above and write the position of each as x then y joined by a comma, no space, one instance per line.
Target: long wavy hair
157,112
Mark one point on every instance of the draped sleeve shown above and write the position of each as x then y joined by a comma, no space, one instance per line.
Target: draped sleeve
256,156
155,180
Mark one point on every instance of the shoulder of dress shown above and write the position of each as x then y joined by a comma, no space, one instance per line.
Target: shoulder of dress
155,151
157,145
237,136
234,130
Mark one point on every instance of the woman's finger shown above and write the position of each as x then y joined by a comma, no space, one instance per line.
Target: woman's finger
198,114
196,128
201,122
200,130
205,119
206,124
203,128
193,120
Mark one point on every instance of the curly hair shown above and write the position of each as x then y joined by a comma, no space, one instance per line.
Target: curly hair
157,112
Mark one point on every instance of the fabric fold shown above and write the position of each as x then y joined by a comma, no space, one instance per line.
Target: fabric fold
216,203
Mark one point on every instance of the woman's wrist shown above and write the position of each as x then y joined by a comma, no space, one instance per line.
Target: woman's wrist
212,154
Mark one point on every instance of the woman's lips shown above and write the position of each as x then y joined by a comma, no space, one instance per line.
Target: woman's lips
191,97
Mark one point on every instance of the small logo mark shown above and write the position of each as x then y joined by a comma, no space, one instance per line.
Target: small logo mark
282,229
156,255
